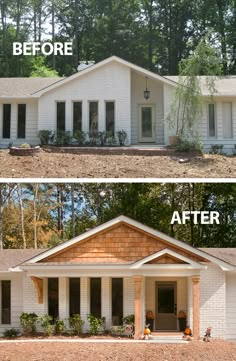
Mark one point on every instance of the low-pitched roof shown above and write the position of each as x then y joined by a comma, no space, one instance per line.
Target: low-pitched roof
225,254
13,257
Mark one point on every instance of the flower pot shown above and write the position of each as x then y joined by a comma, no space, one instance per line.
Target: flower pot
173,140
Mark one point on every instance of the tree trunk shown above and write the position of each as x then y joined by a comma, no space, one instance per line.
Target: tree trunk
22,215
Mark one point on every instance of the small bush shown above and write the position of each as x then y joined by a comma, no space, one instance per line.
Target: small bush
216,149
122,135
80,136
76,323
28,323
25,145
102,138
95,324
46,324
44,136
128,320
110,139
185,145
11,332
61,137
93,137
59,326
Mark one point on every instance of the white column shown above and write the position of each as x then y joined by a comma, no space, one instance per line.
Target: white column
69,121
101,116
63,298
106,301
84,300
85,116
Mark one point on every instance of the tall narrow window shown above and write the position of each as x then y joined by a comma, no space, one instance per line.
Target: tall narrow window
6,302
77,116
227,120
93,117
53,298
211,120
74,295
117,301
6,124
21,120
110,117
61,116
95,297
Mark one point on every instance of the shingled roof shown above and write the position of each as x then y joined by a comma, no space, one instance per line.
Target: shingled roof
225,254
13,257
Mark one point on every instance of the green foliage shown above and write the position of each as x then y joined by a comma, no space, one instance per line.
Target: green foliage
102,138
216,149
110,138
80,136
59,326
25,145
95,324
28,323
61,137
44,136
122,135
39,69
11,332
185,145
46,324
76,323
129,320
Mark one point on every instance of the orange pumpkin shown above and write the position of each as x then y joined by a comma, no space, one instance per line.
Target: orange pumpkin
146,331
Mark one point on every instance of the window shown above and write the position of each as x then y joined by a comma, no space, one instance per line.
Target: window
74,291
61,116
117,301
77,116
6,302
211,120
95,297
53,304
21,120
227,120
6,126
110,117
93,117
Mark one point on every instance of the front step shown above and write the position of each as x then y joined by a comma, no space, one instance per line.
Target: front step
167,337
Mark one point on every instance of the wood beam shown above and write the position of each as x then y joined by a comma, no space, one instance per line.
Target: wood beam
38,283
138,281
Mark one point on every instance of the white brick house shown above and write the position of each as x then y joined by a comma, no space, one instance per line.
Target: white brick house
109,96
120,268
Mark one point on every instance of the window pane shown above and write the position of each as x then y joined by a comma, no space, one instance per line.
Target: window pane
6,302
146,122
93,117
74,296
117,301
95,297
77,116
6,127
212,125
110,117
61,116
227,120
21,120
166,299
53,309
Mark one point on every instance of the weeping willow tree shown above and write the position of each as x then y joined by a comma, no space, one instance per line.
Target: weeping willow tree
186,108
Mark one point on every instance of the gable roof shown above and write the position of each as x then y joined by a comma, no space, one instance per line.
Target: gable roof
123,219
13,257
23,87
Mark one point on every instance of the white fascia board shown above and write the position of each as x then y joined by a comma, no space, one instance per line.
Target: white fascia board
100,64
138,225
169,252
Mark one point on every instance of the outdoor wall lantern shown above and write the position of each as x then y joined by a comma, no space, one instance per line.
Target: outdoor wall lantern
146,92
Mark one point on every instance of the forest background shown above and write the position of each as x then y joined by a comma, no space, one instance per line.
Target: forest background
155,34
43,215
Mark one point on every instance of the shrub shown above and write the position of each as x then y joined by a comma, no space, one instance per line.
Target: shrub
44,136
61,137
128,320
93,137
76,323
110,139
25,145
185,145
102,138
59,326
11,332
46,324
80,136
216,149
122,135
28,323
95,324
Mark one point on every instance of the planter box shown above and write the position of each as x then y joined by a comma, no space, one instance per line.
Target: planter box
24,151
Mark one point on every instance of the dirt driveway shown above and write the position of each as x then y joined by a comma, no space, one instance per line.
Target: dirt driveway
63,165
52,351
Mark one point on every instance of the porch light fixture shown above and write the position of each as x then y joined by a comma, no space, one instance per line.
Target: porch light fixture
146,92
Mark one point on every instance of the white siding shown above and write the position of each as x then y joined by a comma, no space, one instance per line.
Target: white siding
231,306
138,85
31,122
108,83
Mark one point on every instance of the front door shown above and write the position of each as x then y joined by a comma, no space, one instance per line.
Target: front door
146,124
166,306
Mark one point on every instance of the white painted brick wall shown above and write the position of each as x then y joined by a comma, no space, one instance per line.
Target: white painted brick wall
108,83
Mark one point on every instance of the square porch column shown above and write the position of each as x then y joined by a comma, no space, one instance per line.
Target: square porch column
138,285
106,300
196,306
84,300
63,298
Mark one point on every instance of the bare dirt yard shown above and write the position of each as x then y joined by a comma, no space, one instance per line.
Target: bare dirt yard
66,165
61,351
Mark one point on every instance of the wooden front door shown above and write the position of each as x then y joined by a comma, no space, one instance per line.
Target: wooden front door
166,306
